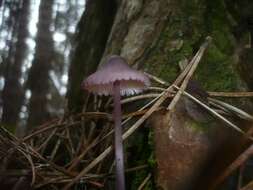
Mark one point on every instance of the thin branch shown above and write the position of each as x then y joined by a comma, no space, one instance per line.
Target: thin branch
108,150
157,79
139,97
249,186
233,109
213,112
86,115
144,182
230,169
193,65
231,94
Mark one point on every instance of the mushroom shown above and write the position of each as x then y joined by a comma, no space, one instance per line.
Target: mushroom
116,78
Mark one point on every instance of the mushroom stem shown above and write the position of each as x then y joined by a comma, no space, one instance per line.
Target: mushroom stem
119,158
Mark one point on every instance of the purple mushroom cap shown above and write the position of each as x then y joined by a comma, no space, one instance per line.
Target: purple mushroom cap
116,69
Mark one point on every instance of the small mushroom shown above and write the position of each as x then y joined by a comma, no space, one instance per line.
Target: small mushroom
116,78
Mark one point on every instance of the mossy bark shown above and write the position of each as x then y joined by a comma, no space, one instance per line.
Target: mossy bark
156,36
186,28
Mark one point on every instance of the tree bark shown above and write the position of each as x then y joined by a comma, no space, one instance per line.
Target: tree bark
93,30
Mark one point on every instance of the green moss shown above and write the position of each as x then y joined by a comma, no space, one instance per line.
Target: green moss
217,68
151,159
217,25
177,41
140,176
141,154
182,37
216,71
10,128
198,126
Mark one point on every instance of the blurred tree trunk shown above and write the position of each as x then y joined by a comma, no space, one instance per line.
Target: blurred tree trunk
156,36
13,93
38,77
92,34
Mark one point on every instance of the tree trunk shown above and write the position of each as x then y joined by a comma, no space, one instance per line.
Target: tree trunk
156,36
13,93
92,34
38,78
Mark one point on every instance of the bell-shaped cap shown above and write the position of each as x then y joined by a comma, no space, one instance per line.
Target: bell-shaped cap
116,69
